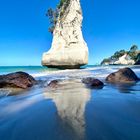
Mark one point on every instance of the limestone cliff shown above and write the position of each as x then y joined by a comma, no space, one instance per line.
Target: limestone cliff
68,46
124,60
123,57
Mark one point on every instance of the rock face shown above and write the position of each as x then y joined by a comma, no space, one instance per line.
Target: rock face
124,60
68,49
92,82
17,80
124,75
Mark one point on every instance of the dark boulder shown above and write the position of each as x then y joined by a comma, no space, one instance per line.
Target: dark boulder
122,76
17,80
92,82
53,84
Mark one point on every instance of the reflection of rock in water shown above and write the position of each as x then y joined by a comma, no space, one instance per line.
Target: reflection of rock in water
70,99
126,88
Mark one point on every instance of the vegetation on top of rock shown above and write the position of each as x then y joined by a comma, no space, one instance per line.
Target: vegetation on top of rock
55,14
64,4
132,53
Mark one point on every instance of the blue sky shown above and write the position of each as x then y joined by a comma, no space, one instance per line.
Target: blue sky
108,26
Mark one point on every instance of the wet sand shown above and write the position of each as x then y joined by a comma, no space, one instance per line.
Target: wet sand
72,111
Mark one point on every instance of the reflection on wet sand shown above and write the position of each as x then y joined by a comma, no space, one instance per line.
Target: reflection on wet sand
70,98
127,88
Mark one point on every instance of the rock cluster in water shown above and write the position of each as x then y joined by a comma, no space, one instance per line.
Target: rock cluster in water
68,49
23,80
122,76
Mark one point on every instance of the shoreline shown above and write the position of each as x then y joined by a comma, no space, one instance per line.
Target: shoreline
84,72
99,72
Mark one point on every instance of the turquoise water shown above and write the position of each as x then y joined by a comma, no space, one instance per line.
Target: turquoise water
41,69
32,69
71,111
29,69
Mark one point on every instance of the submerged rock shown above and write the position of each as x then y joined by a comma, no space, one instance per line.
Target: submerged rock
92,82
123,76
53,84
68,49
17,80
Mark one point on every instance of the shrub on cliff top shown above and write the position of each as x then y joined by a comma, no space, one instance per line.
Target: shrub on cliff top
53,14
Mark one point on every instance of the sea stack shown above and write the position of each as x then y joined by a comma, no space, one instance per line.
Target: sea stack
68,50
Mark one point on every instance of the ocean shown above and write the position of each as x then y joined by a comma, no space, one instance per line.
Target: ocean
36,71
71,111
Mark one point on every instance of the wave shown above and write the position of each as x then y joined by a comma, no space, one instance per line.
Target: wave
97,72
41,72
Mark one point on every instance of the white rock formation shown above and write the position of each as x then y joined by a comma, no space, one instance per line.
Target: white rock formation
125,60
68,47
